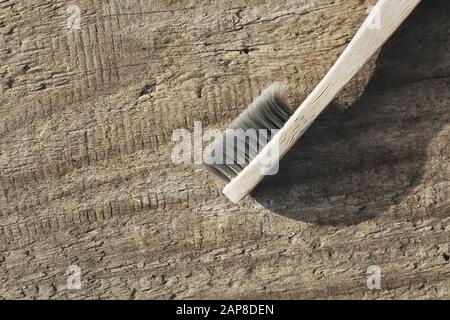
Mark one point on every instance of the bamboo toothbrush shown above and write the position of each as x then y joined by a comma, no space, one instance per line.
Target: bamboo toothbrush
270,111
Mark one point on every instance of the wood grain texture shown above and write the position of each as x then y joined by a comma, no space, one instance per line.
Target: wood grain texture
86,118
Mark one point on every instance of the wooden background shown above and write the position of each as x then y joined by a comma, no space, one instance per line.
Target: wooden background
86,178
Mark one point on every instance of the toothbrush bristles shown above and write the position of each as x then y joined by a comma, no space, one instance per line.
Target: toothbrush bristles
248,133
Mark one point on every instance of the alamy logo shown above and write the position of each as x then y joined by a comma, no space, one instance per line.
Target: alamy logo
74,21
73,281
374,280
374,18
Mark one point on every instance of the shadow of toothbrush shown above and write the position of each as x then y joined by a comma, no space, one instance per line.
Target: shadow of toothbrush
356,163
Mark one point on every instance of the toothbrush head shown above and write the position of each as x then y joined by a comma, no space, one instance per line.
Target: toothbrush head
248,134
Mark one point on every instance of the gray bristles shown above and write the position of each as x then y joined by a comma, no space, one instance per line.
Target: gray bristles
248,134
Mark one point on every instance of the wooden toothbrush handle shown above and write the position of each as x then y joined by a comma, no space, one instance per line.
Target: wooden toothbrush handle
385,19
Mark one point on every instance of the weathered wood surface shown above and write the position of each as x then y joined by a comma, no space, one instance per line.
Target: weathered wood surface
86,178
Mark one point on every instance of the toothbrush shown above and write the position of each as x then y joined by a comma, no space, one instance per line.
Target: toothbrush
270,113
